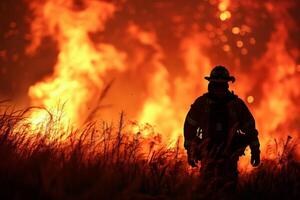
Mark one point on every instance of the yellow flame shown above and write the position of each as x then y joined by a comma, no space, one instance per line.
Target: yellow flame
81,64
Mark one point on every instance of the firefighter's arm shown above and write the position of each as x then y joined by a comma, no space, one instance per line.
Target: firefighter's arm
248,127
190,130
190,127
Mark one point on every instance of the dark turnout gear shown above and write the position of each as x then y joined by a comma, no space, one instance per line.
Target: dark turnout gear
218,128
222,121
191,159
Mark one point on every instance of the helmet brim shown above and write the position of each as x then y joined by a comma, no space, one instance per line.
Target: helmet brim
220,80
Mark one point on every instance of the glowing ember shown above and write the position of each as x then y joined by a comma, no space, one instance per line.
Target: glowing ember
239,43
226,48
235,30
225,15
250,99
223,5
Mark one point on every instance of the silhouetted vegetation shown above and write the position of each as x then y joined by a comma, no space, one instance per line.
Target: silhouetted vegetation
101,161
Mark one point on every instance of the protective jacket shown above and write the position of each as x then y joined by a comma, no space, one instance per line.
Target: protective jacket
226,123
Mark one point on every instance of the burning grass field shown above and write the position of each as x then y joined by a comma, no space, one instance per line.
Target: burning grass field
156,54
108,162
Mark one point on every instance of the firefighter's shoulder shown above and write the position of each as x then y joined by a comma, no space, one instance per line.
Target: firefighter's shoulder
236,99
240,102
201,100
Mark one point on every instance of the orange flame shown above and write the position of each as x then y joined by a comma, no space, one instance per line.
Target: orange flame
82,65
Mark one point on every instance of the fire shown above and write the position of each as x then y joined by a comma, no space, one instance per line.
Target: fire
277,106
81,65
156,106
164,56
165,110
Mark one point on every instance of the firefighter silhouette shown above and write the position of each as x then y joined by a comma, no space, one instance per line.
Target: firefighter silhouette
218,128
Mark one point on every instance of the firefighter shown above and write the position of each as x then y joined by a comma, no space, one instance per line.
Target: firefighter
218,128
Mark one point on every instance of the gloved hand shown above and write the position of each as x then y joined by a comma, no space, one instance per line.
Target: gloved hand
191,159
255,159
192,162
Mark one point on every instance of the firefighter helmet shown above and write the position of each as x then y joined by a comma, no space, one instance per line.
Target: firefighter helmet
220,74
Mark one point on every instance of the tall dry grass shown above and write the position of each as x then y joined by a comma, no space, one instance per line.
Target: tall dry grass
103,161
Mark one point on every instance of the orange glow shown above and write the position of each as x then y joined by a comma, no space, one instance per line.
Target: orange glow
164,72
244,51
250,99
235,30
225,15
80,65
252,41
223,5
239,43
226,48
